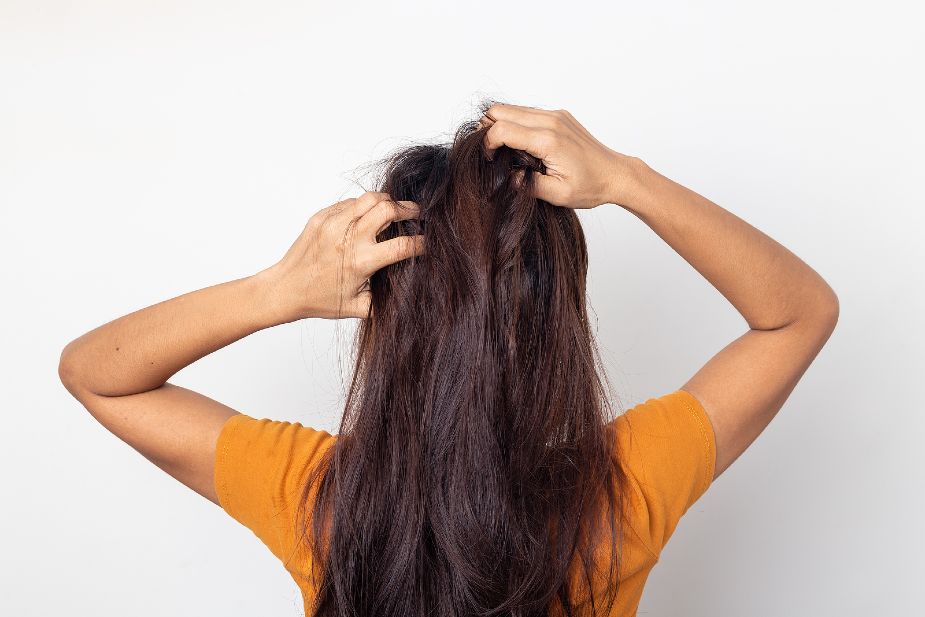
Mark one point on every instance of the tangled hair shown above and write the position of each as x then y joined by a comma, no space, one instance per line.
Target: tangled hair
475,472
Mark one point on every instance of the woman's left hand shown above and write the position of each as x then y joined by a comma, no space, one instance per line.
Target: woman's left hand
326,271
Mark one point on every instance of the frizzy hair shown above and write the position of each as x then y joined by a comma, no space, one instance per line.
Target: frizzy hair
475,472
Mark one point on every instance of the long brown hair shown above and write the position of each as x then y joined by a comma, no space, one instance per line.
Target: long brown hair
475,466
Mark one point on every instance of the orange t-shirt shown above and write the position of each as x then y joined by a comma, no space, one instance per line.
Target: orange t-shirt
667,446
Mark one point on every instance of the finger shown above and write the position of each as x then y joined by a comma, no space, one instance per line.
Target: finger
513,135
395,250
547,188
526,116
337,209
384,213
360,306
365,202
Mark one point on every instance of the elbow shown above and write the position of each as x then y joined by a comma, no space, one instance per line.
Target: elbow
821,313
822,306
835,309
824,317
829,308
67,371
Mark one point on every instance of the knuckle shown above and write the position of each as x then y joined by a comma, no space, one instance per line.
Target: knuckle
493,134
335,211
388,206
342,206
314,221
499,131
368,198
547,138
402,246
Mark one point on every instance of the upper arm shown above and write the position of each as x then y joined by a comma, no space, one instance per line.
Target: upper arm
263,473
667,448
175,428
254,469
746,383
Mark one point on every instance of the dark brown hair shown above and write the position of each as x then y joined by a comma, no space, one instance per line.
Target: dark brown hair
475,471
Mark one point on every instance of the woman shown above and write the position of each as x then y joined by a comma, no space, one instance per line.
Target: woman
477,470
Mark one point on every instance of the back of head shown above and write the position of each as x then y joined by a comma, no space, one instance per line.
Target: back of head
473,450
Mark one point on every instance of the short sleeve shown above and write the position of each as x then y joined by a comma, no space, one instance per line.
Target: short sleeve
261,467
668,447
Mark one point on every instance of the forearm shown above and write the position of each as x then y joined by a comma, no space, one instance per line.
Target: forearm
769,285
142,350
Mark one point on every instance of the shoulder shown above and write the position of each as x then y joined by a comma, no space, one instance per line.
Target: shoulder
262,468
667,448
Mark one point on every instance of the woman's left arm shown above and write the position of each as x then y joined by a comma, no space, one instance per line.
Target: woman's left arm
119,371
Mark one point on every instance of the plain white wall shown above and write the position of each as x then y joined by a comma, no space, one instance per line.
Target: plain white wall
152,148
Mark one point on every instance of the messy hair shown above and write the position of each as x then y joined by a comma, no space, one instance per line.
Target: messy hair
475,471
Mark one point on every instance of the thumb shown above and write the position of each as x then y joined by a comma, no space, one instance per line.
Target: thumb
549,188
360,306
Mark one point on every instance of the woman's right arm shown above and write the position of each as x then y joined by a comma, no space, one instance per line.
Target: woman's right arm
790,310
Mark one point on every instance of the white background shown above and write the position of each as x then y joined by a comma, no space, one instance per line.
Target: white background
151,148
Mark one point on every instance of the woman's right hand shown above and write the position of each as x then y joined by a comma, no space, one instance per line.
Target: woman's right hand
581,172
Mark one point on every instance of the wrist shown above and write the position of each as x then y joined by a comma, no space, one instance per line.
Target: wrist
627,180
270,303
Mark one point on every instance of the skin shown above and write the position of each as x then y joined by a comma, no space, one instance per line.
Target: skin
120,370
790,310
